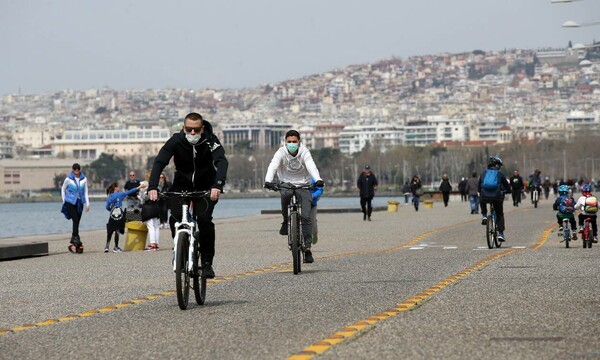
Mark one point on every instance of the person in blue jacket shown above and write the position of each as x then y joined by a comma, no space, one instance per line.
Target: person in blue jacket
116,220
495,196
316,194
74,193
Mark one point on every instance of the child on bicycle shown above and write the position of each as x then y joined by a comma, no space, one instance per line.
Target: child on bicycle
565,205
588,205
492,187
294,164
116,220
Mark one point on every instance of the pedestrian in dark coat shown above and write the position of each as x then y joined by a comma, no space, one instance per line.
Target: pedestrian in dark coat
366,184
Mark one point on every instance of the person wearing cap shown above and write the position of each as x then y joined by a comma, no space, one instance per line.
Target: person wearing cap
366,184
74,193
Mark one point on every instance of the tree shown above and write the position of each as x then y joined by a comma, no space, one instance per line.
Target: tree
59,179
106,169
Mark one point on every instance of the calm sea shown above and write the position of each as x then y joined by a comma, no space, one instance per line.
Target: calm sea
22,219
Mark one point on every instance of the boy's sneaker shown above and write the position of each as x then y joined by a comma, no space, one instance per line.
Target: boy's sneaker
117,249
106,249
595,239
581,229
501,237
308,258
560,229
484,220
574,237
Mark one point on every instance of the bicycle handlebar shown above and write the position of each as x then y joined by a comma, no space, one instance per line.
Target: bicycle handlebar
185,194
289,186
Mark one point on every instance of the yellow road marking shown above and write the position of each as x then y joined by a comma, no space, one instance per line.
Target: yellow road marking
283,267
342,335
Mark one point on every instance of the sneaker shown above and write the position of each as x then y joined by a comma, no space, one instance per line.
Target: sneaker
560,229
308,258
207,271
315,238
106,249
364,217
501,237
117,249
369,218
581,229
484,220
151,247
595,239
284,229
574,237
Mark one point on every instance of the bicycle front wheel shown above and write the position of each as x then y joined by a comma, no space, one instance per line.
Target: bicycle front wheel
199,282
182,277
295,240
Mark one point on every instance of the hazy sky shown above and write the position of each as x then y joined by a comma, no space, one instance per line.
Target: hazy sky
51,45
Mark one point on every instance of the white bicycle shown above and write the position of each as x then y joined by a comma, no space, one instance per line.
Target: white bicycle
186,250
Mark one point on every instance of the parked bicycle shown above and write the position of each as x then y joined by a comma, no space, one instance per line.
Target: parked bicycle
295,238
491,229
186,250
587,237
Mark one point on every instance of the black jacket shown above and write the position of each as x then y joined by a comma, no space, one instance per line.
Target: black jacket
197,167
366,185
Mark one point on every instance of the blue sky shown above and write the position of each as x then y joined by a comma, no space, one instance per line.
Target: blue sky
52,45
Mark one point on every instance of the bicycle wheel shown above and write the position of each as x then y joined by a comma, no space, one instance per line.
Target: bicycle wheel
536,195
567,235
587,237
489,232
182,277
495,227
199,281
295,239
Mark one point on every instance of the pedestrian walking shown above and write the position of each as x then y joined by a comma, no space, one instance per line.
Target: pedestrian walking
366,184
473,191
462,188
406,191
416,188
74,193
445,188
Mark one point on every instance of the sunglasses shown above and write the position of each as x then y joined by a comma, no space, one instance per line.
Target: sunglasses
77,169
189,129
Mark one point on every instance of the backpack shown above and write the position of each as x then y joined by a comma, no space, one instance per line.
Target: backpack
491,180
566,205
591,205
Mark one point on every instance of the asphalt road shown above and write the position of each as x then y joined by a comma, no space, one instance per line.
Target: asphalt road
407,285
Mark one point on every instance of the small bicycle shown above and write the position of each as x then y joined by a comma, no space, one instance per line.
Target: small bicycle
566,234
535,196
186,251
295,238
491,229
587,236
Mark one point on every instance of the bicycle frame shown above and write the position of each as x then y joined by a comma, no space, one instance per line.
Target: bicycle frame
587,233
566,232
187,226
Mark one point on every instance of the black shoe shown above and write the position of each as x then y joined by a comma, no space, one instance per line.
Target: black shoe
484,221
308,257
364,217
207,271
284,229
369,218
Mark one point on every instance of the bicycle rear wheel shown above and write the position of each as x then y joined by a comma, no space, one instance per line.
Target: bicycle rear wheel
182,277
587,237
295,239
489,232
497,242
199,281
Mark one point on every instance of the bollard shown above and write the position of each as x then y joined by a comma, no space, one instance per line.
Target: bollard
428,204
393,206
135,238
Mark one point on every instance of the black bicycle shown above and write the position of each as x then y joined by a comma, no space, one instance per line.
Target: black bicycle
491,229
295,238
186,250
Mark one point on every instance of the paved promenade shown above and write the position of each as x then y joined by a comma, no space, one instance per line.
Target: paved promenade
407,285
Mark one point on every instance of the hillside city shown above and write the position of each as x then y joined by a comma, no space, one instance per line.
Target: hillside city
472,98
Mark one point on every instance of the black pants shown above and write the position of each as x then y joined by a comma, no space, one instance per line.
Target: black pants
446,197
75,217
582,218
366,205
516,197
498,207
202,212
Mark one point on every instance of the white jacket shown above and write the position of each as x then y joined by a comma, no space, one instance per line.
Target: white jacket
296,170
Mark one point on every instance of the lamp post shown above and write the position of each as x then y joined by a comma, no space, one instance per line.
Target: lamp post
573,24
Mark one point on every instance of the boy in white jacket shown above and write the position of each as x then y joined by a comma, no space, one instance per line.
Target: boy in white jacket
294,164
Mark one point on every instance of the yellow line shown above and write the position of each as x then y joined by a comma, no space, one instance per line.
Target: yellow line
352,330
281,267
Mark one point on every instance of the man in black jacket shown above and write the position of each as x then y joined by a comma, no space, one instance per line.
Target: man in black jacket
366,184
200,164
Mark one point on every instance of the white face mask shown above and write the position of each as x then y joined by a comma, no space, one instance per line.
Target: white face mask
193,139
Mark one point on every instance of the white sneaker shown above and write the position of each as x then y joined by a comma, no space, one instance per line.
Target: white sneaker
117,249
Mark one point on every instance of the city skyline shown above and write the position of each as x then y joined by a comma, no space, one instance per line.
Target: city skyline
67,44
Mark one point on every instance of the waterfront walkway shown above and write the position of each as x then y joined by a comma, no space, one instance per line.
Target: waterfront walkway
408,284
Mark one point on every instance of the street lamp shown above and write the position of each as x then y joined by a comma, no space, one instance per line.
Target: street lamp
573,24
562,1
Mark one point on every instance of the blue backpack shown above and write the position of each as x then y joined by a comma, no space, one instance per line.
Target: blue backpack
491,179
566,205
